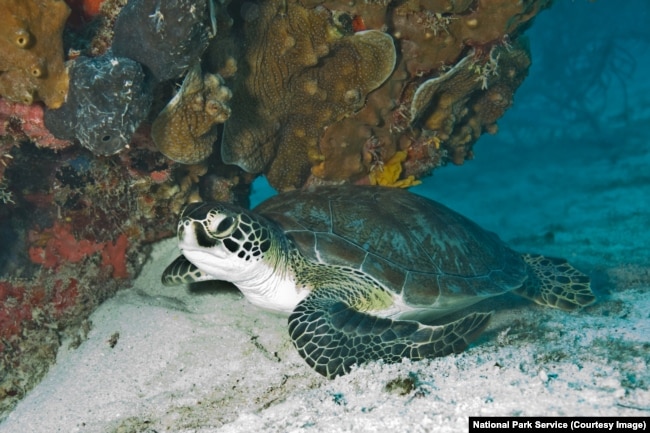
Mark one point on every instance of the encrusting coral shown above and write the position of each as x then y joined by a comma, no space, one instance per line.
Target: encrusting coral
186,129
31,51
389,174
468,99
61,247
300,73
296,62
22,122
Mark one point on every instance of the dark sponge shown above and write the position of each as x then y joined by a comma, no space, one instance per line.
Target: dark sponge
107,100
166,36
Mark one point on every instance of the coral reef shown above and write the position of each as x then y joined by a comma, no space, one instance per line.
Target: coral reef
83,12
108,101
468,99
57,246
166,36
389,174
280,109
31,51
101,35
25,122
25,310
186,130
297,61
75,229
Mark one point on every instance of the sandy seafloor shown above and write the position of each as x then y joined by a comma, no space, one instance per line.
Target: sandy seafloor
204,360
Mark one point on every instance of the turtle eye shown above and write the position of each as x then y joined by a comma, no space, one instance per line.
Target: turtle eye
225,227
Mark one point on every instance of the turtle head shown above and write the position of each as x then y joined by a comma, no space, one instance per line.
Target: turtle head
223,240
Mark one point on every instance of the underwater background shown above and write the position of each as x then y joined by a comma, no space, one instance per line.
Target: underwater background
92,342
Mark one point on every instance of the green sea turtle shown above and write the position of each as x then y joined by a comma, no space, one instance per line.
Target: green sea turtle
363,271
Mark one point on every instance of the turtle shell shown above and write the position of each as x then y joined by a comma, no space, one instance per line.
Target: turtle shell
416,247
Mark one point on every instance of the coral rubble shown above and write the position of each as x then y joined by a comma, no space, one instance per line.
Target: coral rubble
107,103
31,51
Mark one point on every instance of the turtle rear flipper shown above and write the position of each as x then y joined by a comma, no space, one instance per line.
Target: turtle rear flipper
555,283
332,336
181,271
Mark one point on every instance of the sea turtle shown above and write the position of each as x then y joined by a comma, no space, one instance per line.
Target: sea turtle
363,270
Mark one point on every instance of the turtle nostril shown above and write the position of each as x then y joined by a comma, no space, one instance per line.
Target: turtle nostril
180,233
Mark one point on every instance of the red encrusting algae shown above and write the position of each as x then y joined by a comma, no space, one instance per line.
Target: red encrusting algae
114,255
56,246
26,121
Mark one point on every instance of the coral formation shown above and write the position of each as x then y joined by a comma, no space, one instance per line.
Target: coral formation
102,27
57,246
83,12
289,62
76,229
31,51
299,74
389,174
107,102
186,130
26,122
25,310
166,36
468,99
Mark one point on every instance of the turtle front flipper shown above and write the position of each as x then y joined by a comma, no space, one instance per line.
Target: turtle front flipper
555,283
332,336
182,271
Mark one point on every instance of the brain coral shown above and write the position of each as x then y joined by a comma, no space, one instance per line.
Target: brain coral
325,90
31,51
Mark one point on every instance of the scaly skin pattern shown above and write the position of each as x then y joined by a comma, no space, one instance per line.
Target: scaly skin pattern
334,327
